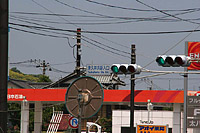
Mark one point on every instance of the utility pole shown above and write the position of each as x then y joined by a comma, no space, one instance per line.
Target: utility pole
133,61
185,95
78,65
78,51
4,64
44,66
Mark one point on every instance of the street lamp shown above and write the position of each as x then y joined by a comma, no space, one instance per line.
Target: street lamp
149,108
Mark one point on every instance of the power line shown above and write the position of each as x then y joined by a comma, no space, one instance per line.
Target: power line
174,17
135,9
104,48
107,46
128,20
137,19
66,63
104,53
102,15
36,33
108,32
166,13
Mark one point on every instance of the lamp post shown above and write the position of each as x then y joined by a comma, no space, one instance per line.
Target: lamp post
149,108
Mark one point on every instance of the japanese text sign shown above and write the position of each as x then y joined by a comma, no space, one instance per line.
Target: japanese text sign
193,123
193,100
152,129
98,69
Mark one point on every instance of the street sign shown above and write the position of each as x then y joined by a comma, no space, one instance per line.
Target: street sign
193,112
97,69
152,128
73,122
193,123
193,100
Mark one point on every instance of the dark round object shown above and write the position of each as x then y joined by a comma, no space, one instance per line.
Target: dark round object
87,93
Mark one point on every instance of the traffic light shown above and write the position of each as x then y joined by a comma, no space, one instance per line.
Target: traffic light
173,60
126,68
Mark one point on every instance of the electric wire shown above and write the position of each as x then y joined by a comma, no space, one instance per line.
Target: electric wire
105,49
85,37
101,47
107,46
167,13
153,18
52,12
36,33
104,53
108,32
71,6
135,9
174,17
130,20
102,15
100,36
74,45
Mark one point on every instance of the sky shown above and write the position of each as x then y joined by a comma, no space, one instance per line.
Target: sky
39,30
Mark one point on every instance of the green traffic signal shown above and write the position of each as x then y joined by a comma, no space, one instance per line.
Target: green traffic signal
160,61
115,69
126,68
173,60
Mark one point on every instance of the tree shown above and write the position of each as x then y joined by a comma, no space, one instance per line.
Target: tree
106,124
15,108
14,69
44,78
17,74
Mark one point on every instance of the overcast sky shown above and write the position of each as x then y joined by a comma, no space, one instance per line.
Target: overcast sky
115,16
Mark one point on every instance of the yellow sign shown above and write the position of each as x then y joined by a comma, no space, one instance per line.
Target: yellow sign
152,129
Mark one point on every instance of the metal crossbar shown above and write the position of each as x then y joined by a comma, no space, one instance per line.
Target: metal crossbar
55,121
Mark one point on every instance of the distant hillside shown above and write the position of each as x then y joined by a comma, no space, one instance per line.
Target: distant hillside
17,74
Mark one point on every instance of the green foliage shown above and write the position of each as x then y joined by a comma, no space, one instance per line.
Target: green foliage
168,108
16,74
106,124
14,110
14,69
44,78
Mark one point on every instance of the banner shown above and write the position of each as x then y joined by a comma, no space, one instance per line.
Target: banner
194,52
152,128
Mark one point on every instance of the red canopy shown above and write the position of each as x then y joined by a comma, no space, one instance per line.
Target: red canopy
156,96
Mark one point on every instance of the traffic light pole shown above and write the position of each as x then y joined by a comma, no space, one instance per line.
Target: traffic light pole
4,64
133,61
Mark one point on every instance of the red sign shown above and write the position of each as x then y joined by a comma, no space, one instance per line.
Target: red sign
73,122
194,52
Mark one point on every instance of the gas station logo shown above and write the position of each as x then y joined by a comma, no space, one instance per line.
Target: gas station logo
194,52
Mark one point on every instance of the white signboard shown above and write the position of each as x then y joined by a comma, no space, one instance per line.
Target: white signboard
98,69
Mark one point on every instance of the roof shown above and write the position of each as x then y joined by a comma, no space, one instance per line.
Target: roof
105,80
27,84
108,79
110,96
64,82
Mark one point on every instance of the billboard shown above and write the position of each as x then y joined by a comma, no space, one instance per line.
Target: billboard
152,128
194,52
